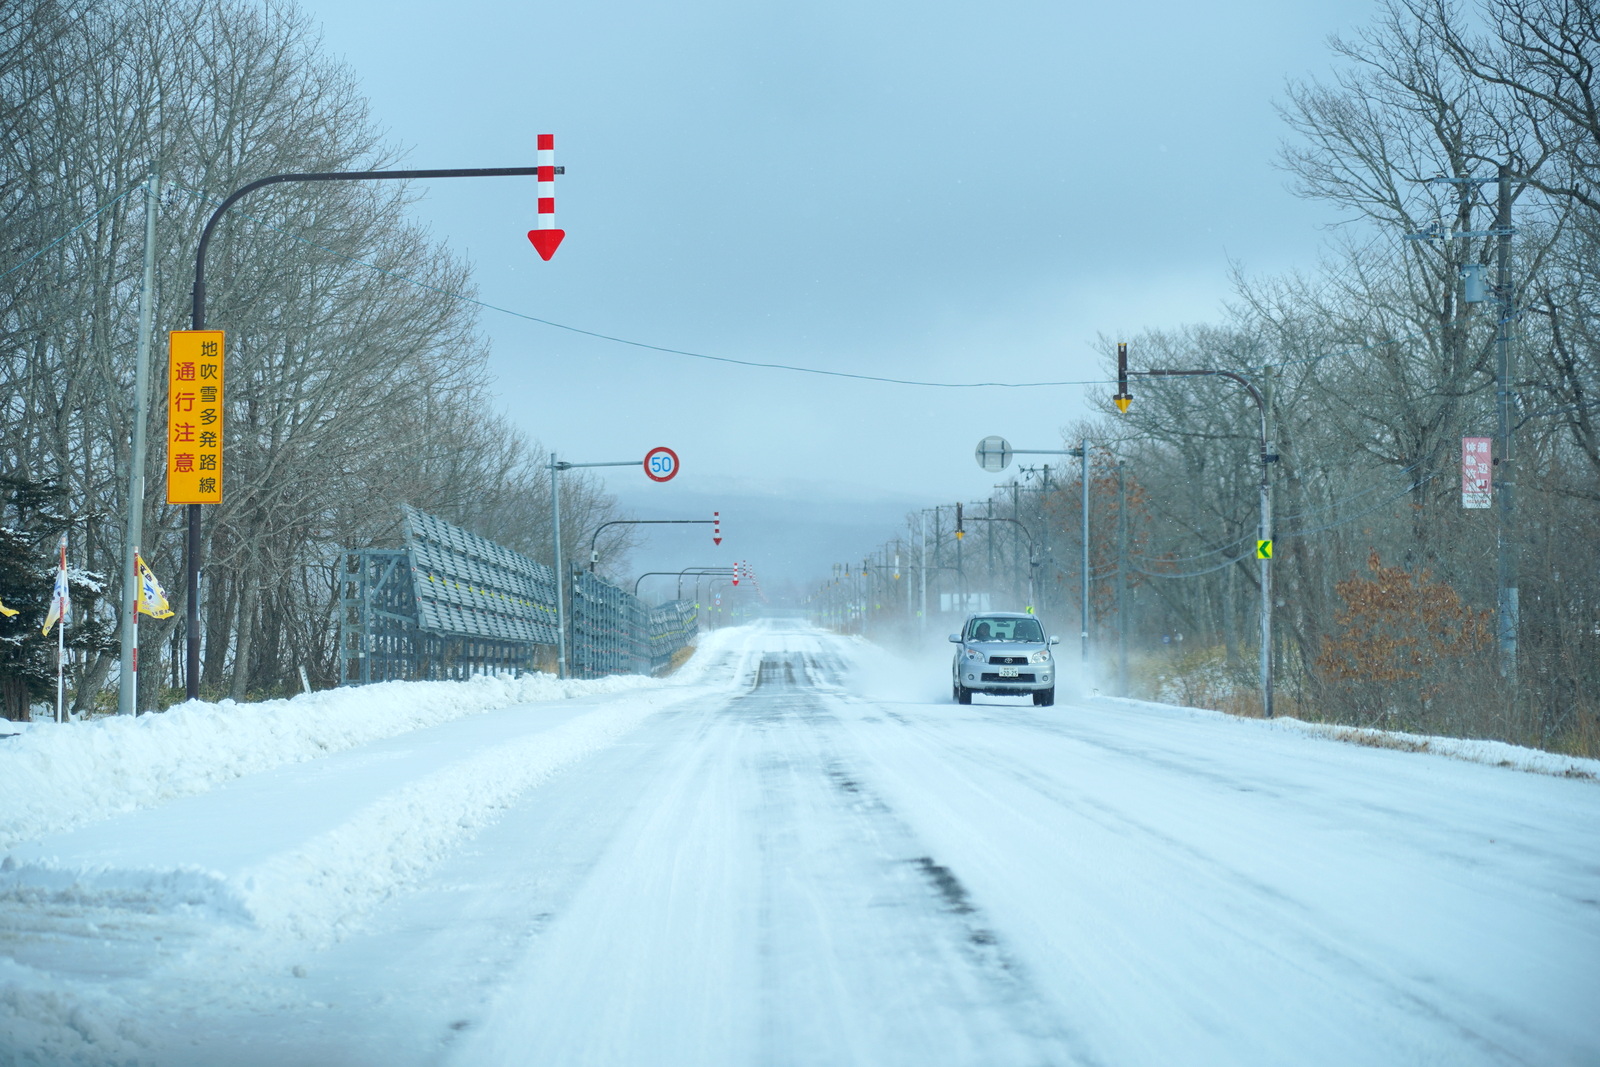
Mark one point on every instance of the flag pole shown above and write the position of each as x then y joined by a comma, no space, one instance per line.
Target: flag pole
61,635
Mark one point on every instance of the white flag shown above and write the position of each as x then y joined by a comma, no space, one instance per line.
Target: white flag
61,595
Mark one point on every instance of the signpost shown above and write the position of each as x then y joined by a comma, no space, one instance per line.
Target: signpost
1477,481
994,455
665,470
194,417
661,464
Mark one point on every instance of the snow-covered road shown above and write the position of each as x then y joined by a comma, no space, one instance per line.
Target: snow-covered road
801,852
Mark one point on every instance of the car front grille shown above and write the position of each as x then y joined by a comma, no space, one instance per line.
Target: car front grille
1008,661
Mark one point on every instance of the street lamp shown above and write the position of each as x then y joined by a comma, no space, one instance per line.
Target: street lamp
994,455
594,556
556,466
680,574
198,322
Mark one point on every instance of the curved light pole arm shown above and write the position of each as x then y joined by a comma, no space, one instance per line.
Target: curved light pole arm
197,321
640,522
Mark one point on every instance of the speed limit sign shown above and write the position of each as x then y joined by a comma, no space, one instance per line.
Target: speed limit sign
660,464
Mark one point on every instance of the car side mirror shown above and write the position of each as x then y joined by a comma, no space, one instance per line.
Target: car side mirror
1054,640
955,639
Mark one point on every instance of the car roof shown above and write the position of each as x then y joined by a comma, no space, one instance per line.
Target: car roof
1000,615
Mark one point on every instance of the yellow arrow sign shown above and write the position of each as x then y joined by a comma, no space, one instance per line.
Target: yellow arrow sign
1263,550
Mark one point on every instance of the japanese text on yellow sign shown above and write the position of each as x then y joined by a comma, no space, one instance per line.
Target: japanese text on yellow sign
194,417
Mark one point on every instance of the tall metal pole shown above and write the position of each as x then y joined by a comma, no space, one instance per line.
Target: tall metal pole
128,687
1049,549
922,604
198,322
1505,479
1084,460
556,468
1122,581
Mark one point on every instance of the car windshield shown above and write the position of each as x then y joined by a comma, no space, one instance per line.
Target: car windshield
1005,630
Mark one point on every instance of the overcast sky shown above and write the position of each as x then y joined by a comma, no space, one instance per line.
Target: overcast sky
932,191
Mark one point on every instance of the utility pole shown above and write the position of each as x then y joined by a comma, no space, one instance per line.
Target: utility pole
1083,455
1507,608
128,689
922,611
555,467
1122,582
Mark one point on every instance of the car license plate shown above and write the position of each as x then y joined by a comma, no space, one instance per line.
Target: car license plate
1008,672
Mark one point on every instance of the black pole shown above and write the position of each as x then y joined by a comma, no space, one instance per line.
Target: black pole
680,574
642,522
198,322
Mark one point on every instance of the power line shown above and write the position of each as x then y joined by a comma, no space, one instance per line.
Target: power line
100,211
758,364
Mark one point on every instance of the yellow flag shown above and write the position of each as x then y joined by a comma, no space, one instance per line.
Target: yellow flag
150,598
5,610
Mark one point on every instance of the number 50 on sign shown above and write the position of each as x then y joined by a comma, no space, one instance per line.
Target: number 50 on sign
194,417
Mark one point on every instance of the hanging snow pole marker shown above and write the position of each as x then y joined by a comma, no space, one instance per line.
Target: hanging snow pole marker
1123,397
735,576
716,527
544,235
661,464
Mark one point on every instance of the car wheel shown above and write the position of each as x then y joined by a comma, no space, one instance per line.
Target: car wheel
963,694
1044,698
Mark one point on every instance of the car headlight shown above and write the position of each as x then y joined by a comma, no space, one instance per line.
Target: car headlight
974,655
1041,656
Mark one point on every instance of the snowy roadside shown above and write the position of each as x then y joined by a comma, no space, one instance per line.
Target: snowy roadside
1491,753
55,777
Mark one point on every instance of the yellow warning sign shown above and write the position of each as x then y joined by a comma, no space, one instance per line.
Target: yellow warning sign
194,417
1263,550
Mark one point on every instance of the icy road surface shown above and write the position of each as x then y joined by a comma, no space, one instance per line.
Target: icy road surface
803,853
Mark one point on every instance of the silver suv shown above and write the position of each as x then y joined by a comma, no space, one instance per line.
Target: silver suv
1003,654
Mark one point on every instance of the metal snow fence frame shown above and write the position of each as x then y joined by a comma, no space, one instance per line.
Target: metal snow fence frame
614,632
671,626
448,605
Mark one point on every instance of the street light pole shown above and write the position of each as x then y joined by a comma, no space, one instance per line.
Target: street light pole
1507,610
994,455
556,467
198,322
594,557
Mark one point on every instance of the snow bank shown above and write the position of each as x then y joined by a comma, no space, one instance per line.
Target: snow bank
317,886
1493,753
49,1022
55,777
336,877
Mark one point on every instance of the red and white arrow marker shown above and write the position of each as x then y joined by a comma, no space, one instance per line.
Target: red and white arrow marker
716,527
544,235
735,574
